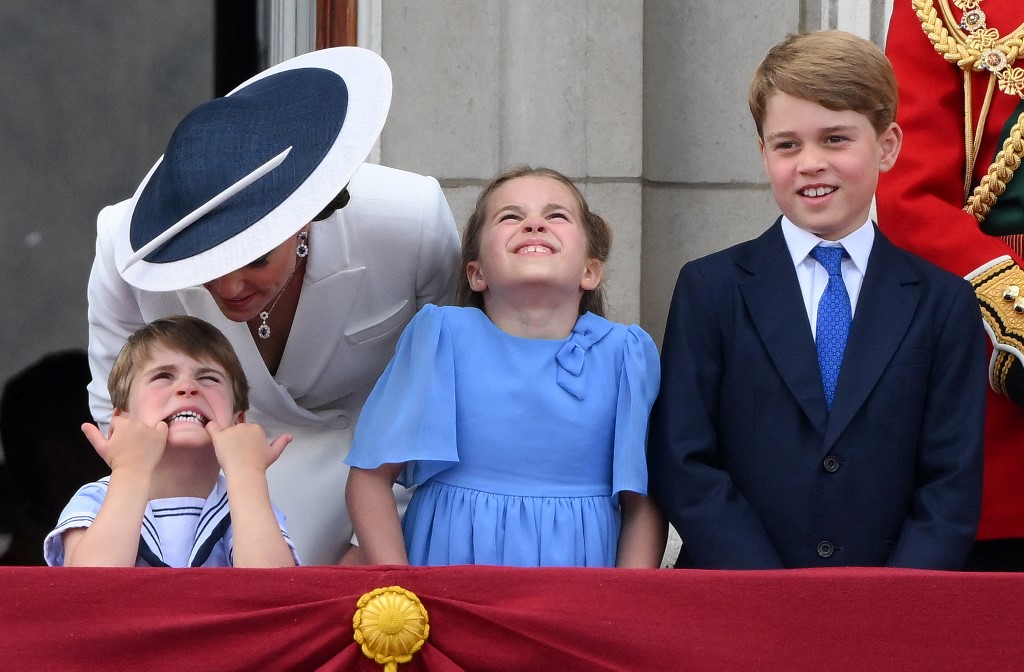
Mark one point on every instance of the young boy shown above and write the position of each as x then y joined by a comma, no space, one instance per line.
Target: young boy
813,417
180,397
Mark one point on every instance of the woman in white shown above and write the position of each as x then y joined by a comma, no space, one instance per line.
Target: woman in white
262,219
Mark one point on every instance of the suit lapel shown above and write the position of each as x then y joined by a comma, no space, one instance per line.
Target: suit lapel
330,289
772,297
886,305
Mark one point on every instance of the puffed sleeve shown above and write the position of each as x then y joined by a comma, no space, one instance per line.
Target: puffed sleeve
409,416
639,381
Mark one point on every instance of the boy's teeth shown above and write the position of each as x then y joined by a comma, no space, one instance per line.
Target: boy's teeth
187,416
817,191
533,248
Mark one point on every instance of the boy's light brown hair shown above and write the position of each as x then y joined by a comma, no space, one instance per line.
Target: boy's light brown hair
190,336
832,68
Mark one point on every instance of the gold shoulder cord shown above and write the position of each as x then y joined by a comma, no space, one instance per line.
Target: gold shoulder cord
973,46
998,288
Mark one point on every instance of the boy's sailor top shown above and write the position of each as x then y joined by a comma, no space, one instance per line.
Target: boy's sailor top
176,532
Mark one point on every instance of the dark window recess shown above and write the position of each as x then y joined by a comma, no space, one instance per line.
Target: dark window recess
236,53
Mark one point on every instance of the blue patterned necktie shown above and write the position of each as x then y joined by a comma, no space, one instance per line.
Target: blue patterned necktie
834,318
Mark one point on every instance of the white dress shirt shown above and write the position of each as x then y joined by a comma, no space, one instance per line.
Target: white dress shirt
813,277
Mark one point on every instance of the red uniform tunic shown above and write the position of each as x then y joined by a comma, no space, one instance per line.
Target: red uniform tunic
921,201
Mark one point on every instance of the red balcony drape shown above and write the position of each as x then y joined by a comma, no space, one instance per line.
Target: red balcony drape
489,618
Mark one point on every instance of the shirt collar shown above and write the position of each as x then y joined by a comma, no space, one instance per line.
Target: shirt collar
857,244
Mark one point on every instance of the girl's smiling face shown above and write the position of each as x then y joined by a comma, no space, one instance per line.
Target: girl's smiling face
533,237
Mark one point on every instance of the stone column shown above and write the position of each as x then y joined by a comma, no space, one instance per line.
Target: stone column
480,86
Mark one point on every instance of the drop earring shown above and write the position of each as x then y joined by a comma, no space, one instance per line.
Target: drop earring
301,251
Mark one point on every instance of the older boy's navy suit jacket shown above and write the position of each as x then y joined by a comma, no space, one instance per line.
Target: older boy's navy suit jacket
753,470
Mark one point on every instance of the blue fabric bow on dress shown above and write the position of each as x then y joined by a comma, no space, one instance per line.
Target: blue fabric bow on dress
570,375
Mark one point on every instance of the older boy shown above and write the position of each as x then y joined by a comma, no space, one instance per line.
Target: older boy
180,397
822,391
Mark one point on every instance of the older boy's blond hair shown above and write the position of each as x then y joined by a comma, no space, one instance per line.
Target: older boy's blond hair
832,68
190,336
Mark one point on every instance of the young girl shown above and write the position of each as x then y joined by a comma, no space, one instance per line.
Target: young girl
521,417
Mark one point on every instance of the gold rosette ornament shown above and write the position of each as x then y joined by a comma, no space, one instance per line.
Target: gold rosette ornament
390,624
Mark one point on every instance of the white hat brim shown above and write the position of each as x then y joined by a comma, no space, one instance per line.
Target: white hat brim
368,80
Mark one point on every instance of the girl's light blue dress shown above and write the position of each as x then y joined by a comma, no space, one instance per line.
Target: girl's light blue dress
519,446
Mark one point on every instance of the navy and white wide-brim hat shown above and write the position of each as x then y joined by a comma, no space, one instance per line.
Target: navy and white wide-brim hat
243,173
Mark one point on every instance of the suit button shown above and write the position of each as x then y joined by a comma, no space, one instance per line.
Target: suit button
826,549
831,464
